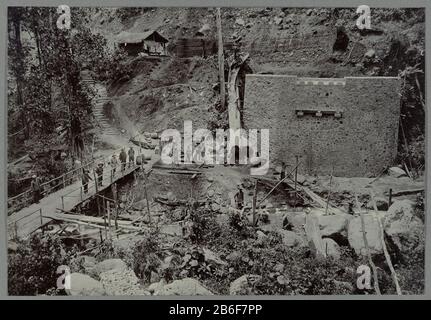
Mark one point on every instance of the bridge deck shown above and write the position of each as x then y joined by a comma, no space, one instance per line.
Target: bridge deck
29,219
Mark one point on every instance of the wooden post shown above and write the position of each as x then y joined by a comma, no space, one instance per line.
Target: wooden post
16,230
370,260
390,198
95,181
41,219
108,208
146,198
64,181
278,183
329,192
254,203
220,60
62,202
81,194
296,179
385,249
114,193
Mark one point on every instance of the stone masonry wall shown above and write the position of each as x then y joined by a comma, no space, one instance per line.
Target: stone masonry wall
356,134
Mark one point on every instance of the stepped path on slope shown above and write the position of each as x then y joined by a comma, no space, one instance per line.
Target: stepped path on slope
100,100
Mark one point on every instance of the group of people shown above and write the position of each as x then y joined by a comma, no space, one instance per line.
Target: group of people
113,163
36,182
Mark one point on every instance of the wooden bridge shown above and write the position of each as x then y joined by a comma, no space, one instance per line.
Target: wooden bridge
30,218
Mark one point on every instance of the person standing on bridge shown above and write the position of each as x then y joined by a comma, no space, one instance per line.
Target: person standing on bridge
85,180
239,198
99,173
114,164
131,153
36,189
123,159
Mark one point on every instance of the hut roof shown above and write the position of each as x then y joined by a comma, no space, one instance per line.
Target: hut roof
129,37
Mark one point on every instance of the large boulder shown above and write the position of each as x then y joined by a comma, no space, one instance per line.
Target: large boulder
183,287
84,285
111,264
290,238
121,283
331,225
402,225
355,235
295,220
397,172
243,285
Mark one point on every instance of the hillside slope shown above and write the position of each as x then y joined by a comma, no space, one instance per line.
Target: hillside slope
304,42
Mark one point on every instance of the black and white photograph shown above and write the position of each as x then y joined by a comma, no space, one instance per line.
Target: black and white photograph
215,151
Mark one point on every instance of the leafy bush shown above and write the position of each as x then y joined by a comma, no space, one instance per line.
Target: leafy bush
414,154
32,269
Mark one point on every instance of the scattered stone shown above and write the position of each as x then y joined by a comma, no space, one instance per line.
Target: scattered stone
309,12
177,214
210,256
370,54
240,21
278,20
215,207
84,285
397,172
279,267
183,287
261,237
157,286
290,238
234,255
332,249
401,224
300,178
243,285
121,283
154,277
372,229
382,204
111,264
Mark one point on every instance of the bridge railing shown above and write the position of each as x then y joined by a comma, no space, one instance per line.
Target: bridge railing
12,227
25,198
108,177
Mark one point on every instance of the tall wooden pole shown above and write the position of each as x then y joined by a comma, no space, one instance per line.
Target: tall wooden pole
146,198
114,193
367,248
385,249
254,203
220,60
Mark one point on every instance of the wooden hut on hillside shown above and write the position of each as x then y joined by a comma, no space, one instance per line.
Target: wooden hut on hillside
151,43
